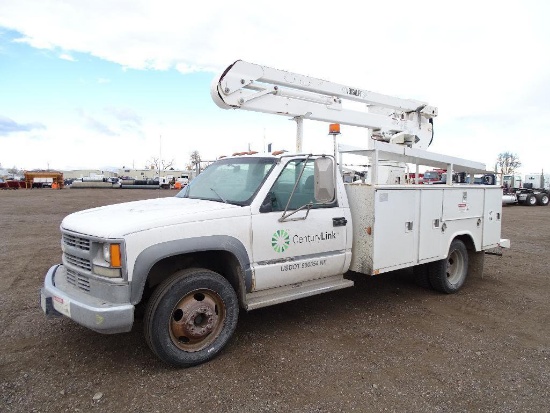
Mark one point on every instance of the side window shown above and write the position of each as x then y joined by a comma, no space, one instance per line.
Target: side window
282,188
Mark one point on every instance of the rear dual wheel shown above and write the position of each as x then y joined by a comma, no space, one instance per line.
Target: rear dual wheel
448,275
542,199
531,200
190,317
421,278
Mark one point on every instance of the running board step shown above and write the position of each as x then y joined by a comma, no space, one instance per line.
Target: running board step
292,292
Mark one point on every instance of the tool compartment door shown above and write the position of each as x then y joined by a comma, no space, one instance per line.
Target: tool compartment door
394,228
492,217
430,236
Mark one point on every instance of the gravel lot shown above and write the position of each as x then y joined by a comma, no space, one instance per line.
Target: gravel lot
384,345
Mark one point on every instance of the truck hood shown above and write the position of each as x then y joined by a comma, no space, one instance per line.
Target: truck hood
117,220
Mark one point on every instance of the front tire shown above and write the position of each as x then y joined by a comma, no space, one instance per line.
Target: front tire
448,275
190,317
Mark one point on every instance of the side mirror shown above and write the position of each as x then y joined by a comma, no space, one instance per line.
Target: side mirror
267,204
325,183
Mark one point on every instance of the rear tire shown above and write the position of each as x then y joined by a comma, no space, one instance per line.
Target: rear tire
448,275
190,317
531,200
542,199
421,277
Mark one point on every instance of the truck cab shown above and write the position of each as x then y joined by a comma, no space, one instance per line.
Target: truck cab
266,229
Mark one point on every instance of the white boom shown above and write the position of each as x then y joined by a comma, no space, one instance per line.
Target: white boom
258,88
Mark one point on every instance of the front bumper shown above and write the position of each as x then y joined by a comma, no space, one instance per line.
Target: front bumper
61,298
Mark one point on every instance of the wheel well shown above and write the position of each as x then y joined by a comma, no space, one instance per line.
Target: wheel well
222,262
468,241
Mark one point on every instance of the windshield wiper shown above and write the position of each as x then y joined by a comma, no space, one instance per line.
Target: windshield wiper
219,196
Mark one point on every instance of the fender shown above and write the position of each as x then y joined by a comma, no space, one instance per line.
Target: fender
468,234
155,253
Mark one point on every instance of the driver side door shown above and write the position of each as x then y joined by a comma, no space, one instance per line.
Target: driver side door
293,251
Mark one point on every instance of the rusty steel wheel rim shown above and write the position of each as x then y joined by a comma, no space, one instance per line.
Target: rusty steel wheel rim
197,320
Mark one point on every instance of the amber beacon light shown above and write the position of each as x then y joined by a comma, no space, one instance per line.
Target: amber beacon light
334,129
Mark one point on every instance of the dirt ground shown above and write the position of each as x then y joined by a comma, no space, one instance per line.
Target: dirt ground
383,345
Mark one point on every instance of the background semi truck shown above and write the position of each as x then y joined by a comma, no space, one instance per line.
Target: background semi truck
257,230
533,189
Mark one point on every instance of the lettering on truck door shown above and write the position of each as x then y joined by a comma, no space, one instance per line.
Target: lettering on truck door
290,252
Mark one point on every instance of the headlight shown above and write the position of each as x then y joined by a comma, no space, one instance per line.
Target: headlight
111,254
107,252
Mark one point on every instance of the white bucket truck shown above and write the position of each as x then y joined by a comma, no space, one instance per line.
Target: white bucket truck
257,230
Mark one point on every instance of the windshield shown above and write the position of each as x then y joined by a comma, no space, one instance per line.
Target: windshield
233,181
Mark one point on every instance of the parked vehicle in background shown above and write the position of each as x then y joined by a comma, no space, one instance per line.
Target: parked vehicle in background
411,177
524,192
485,179
42,182
15,184
432,176
539,180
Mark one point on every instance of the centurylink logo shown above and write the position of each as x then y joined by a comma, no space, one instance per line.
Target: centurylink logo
280,240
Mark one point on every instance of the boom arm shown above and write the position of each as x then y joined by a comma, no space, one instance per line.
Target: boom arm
258,88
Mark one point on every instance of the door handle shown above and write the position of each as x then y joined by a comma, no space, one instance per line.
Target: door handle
339,222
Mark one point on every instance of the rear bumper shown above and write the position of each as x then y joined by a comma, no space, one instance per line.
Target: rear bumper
61,298
504,243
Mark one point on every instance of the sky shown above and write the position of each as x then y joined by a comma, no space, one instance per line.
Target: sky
115,83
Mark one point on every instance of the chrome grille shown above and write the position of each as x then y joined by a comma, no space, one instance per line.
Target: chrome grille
79,281
76,242
79,262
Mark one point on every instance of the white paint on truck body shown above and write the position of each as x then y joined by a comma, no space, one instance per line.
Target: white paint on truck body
402,226
146,223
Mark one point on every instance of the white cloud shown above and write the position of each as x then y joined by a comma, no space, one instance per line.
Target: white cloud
125,115
477,61
66,56
185,68
9,126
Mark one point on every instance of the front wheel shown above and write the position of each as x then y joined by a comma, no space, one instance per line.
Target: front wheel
448,275
190,317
